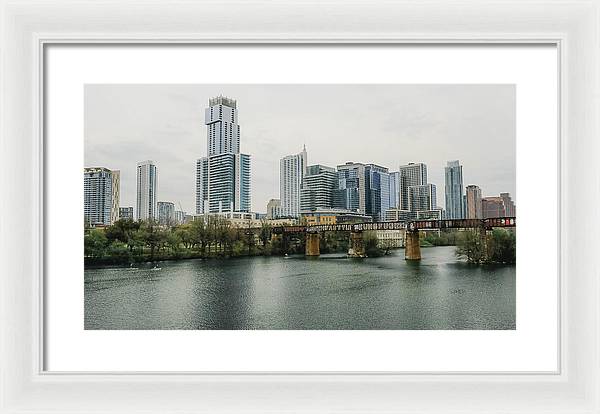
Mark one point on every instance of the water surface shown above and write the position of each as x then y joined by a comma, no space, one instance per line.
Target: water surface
330,292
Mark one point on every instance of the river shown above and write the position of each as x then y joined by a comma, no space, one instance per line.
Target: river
329,292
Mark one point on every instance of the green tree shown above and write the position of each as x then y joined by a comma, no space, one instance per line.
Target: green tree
95,244
502,246
123,230
471,245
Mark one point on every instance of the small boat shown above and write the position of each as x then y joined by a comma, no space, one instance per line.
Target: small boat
155,267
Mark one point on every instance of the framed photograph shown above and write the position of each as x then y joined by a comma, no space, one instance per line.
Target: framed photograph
291,207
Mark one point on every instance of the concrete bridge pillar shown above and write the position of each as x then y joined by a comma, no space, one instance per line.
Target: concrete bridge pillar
412,250
312,244
357,245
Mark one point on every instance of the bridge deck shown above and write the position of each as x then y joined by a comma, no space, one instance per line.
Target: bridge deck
402,225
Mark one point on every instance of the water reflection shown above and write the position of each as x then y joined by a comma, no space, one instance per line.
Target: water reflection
331,292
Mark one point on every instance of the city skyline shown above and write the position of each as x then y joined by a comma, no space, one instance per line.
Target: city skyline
459,117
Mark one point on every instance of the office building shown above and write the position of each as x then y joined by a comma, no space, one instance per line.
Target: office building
273,209
501,206
126,213
291,173
473,197
350,192
378,190
179,217
166,213
317,188
100,196
364,188
116,190
222,129
454,191
147,183
395,189
509,206
409,175
422,197
223,176
396,214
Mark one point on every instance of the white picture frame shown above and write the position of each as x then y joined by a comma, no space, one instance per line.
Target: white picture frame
28,26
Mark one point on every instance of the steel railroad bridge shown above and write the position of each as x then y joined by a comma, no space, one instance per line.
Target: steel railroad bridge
411,228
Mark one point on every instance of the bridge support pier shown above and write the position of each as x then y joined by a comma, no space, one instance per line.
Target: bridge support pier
312,244
412,249
357,245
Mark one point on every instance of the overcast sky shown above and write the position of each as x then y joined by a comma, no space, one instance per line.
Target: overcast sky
387,125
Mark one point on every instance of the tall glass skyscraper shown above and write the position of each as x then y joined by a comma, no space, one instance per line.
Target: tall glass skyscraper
292,169
317,188
147,182
223,176
364,188
455,206
422,197
410,175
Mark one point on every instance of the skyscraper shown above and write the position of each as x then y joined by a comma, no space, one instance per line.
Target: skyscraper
474,202
454,191
147,183
410,175
364,188
395,189
291,172
422,197
317,188
273,208
349,193
379,191
223,176
126,213
116,190
100,196
166,213
223,131
502,206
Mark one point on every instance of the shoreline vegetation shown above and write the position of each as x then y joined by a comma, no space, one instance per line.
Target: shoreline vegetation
126,242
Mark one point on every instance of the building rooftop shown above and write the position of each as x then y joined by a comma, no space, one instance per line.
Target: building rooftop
222,100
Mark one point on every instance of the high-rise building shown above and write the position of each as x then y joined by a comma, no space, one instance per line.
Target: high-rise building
395,189
422,197
166,213
179,217
147,183
317,188
364,188
100,190
350,192
454,191
223,176
410,175
474,202
126,213
202,185
273,209
378,190
509,206
291,172
116,190
501,206
223,131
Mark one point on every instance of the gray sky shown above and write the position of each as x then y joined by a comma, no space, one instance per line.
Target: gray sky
387,125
